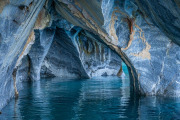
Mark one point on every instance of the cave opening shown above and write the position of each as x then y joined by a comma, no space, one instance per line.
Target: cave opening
84,56
63,86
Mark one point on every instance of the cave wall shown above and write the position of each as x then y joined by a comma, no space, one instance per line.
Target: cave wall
23,72
98,59
154,55
63,59
151,55
83,58
17,20
68,56
165,15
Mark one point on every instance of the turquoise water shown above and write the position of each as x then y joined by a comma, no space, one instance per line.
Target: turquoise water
104,98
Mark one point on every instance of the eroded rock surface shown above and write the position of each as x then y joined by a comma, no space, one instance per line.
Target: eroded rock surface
97,58
139,40
16,23
154,55
83,57
39,50
145,34
62,59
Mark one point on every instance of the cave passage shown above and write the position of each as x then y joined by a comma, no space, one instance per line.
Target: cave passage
89,59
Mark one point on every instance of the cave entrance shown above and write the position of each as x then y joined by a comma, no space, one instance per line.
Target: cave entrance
80,54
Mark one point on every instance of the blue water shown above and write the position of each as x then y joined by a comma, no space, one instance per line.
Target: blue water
105,98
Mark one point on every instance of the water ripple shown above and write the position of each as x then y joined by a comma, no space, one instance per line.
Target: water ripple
107,98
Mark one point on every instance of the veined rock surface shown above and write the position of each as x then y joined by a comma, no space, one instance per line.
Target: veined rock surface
82,38
17,19
148,46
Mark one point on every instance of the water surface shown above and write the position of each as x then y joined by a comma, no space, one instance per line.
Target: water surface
103,98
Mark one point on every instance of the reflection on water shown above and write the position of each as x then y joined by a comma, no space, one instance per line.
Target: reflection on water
94,99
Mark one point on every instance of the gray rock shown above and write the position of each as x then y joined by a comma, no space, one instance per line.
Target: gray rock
63,59
151,52
15,26
96,57
39,49
23,72
142,36
165,15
